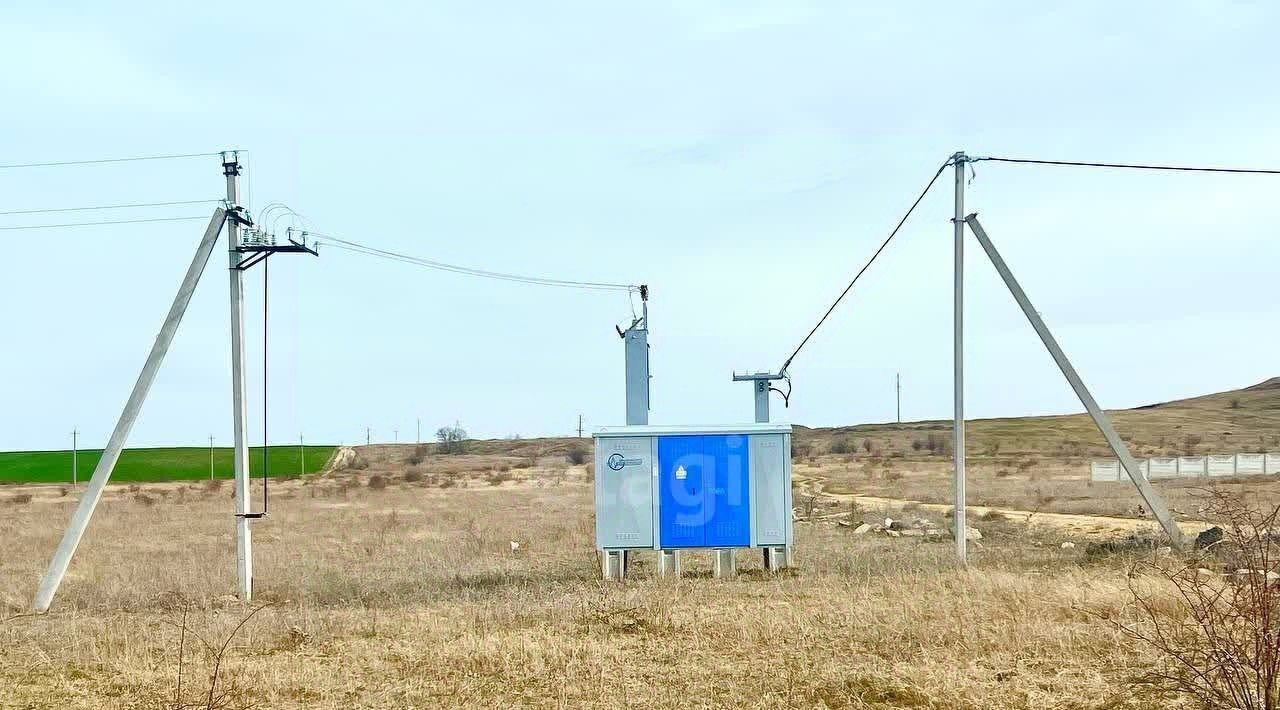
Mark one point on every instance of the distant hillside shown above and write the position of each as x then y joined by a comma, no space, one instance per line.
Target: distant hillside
1237,420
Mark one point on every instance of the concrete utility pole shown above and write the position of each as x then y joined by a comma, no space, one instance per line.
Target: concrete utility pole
239,396
75,468
368,436
579,426
418,439
898,388
211,457
115,444
395,436
958,454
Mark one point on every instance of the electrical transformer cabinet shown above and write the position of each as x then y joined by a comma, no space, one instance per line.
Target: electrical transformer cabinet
667,488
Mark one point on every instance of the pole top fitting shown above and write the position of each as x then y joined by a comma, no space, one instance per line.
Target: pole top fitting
959,157
644,292
230,162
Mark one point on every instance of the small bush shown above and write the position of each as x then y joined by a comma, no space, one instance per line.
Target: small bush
419,455
522,463
20,498
916,444
412,476
497,478
448,482
841,446
1190,442
1235,403
577,456
867,445
377,482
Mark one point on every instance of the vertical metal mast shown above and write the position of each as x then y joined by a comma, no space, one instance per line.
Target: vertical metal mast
239,410
636,343
958,453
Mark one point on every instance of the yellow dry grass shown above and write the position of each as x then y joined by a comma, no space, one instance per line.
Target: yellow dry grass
412,597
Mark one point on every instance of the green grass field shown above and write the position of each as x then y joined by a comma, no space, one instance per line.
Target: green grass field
168,464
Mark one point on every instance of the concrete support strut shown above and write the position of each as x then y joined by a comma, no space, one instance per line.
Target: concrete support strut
111,454
1153,500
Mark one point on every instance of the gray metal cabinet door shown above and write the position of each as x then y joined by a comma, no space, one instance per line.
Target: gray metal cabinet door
624,492
769,489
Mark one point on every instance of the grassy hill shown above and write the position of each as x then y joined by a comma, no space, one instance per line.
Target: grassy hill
163,464
1244,420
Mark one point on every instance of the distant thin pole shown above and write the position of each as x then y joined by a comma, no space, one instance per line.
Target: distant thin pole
75,472
579,426
211,457
898,387
418,439
302,456
395,435
368,436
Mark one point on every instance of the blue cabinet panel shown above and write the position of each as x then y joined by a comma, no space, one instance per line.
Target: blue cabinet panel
681,494
704,491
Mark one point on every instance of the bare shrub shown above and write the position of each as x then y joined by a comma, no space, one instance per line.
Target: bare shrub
497,478
1215,634
63,492
801,452
144,499
840,446
20,498
412,476
938,444
867,445
448,482
1235,402
916,444
419,455
213,485
377,482
523,463
503,466
577,455
1190,442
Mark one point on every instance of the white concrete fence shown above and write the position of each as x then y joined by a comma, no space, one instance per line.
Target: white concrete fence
1158,467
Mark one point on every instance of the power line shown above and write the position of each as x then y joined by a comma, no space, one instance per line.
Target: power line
99,161
110,207
867,265
1130,166
358,248
95,224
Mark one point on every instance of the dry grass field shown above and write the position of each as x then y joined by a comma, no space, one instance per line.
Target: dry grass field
411,596
411,579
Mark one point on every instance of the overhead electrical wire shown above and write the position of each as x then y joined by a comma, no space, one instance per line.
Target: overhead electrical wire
867,265
356,247
98,161
105,222
111,207
1127,166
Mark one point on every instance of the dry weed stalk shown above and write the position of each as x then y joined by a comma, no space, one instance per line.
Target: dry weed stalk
1217,635
231,696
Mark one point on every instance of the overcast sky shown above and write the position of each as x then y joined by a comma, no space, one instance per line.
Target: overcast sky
742,158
